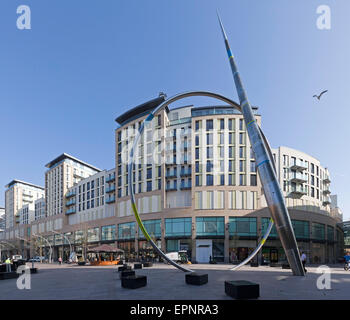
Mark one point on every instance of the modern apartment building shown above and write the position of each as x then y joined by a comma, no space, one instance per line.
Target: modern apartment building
40,209
198,190
20,194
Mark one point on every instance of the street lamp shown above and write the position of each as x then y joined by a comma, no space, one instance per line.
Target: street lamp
36,235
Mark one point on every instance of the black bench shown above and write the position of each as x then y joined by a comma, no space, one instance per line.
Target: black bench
254,264
138,266
242,289
126,273
134,282
147,264
124,268
8,275
196,278
285,266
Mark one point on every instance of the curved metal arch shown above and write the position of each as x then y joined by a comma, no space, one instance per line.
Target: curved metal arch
131,162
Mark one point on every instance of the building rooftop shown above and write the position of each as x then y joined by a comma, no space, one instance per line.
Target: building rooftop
140,111
64,156
13,182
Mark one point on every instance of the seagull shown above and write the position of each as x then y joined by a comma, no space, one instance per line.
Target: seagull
319,97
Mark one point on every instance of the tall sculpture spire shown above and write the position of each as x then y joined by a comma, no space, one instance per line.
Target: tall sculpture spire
272,190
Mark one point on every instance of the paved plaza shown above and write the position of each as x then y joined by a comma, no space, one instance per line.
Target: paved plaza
165,282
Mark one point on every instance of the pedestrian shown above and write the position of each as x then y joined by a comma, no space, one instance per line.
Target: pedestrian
303,260
347,259
60,260
8,265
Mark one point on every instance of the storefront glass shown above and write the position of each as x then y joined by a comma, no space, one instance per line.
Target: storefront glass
318,231
330,233
153,228
126,230
264,224
108,233
178,227
94,234
301,229
210,226
242,227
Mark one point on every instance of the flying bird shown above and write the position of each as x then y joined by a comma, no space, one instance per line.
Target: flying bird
319,97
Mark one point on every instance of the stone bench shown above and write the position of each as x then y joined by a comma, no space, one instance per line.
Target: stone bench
8,275
134,282
242,289
147,264
197,279
126,273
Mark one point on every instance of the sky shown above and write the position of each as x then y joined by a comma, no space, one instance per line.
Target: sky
83,63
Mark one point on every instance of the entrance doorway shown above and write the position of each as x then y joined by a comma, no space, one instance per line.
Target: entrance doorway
204,250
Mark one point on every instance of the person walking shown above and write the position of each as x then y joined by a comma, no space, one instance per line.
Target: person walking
60,260
303,260
347,259
8,265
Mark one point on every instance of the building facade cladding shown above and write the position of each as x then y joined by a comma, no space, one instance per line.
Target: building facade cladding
40,209
195,171
18,195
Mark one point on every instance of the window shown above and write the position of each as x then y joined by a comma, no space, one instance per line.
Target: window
178,227
209,125
153,228
209,166
318,231
198,180
108,233
210,179
198,125
264,224
253,180
126,230
242,179
210,152
222,124
301,229
210,226
149,186
209,138
242,227
231,124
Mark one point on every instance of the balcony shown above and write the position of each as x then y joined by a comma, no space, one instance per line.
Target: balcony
326,202
71,194
298,166
185,173
326,192
186,186
170,175
110,178
110,200
26,194
70,202
326,180
27,200
298,178
299,191
71,210
171,188
110,189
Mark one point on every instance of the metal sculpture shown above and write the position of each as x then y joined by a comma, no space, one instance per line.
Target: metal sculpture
131,163
272,190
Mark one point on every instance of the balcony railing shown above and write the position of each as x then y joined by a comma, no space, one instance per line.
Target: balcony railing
299,191
171,188
298,178
111,178
110,200
70,202
71,194
326,180
298,166
26,194
71,210
185,173
186,187
326,202
110,189
327,191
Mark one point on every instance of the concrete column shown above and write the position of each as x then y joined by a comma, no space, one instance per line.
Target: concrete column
227,241
193,238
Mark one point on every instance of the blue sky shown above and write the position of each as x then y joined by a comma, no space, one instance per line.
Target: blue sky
83,63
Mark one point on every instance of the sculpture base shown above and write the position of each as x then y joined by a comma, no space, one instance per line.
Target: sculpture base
242,289
134,282
124,268
196,278
8,275
285,266
126,273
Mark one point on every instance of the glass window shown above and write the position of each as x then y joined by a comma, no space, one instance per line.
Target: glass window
318,231
94,234
210,179
301,229
153,228
108,233
264,224
209,125
178,227
210,226
126,230
242,227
